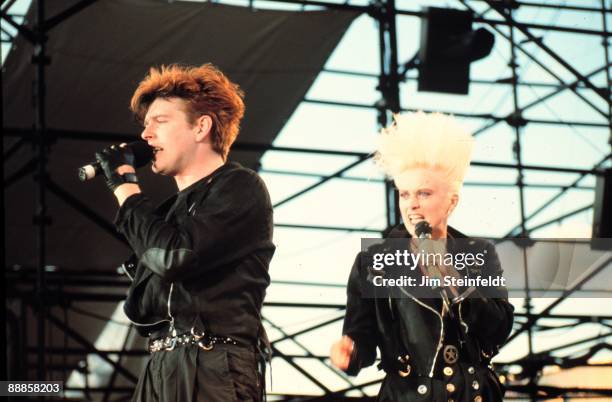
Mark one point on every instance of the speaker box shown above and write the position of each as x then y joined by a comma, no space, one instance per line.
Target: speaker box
602,208
443,68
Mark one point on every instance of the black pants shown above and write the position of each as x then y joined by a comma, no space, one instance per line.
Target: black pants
188,373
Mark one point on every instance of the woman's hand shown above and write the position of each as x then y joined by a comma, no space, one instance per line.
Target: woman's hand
340,353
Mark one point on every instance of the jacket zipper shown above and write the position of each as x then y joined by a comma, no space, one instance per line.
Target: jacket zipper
172,329
171,320
467,328
440,339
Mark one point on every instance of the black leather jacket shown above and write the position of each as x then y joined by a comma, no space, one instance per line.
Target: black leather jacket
415,330
201,257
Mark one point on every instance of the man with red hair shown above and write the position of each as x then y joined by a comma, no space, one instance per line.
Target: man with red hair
200,266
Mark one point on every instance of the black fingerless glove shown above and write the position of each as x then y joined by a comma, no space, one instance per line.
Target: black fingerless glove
110,159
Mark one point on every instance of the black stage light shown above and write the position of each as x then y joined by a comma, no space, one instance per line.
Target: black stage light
448,46
602,212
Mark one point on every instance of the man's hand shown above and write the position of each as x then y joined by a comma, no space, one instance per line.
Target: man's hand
340,353
115,161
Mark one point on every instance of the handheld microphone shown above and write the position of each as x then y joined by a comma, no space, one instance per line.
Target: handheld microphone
423,230
143,154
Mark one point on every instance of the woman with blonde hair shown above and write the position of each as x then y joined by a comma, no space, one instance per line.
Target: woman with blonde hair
435,342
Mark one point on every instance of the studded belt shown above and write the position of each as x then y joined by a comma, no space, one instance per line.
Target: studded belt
204,341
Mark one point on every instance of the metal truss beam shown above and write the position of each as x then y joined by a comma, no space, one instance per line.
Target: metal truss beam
143,353
605,95
466,115
560,218
63,297
532,319
556,6
322,181
306,330
84,210
39,103
122,353
320,227
557,348
550,201
518,155
498,82
44,26
249,146
480,164
468,184
26,32
308,352
26,135
563,87
85,343
330,396
606,46
547,392
540,64
27,168
6,5
516,117
278,353
579,317
9,37
14,148
64,15
371,10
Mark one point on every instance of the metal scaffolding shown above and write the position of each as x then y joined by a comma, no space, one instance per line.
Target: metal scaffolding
38,291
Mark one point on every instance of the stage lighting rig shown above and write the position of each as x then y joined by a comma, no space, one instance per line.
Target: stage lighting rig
448,46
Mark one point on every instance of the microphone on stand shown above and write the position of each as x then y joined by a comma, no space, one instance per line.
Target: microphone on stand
143,154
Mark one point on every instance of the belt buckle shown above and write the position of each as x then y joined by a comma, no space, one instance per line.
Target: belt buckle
169,345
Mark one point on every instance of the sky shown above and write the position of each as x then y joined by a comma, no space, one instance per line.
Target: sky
358,201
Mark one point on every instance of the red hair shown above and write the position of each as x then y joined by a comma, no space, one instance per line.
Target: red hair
206,90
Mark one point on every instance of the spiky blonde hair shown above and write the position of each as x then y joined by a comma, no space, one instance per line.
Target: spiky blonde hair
425,140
